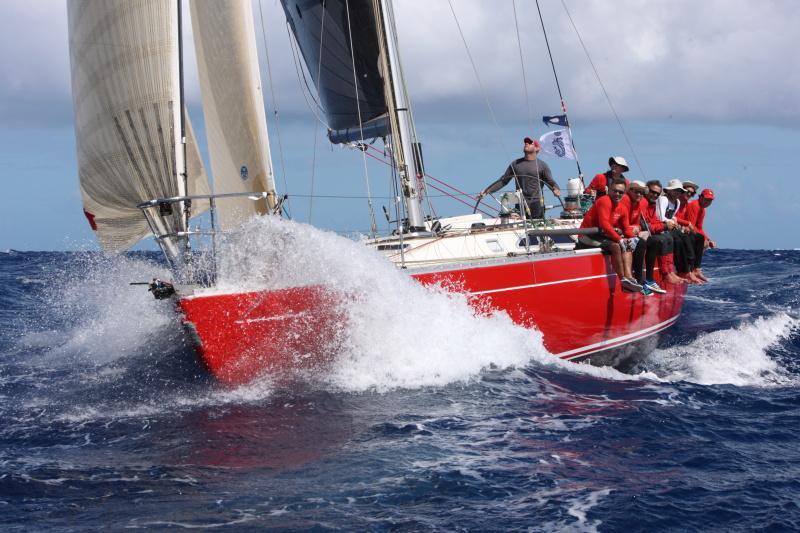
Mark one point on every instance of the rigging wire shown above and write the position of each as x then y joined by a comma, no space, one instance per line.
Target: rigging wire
477,76
317,108
274,103
522,64
560,95
603,87
373,223
316,123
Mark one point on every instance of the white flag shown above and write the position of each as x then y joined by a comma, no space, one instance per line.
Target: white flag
558,143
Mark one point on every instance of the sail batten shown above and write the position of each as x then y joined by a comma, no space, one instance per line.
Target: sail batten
123,59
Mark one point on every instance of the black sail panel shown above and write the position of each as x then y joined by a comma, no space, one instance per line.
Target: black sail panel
333,71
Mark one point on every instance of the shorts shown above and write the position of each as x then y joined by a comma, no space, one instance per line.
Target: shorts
595,241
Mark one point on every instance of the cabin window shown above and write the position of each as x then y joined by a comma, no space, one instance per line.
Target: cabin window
494,245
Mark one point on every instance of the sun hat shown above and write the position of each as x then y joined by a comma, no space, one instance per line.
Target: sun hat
688,183
619,160
708,194
639,183
673,185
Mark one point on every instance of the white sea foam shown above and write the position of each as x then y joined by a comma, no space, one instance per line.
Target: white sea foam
735,356
399,333
104,317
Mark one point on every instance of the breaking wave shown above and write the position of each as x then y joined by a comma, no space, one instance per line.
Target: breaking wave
741,356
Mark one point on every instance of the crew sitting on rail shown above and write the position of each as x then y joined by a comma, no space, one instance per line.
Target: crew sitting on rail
612,224
659,244
670,208
696,214
631,206
528,173
599,185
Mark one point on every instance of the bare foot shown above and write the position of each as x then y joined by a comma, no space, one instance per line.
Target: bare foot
673,278
699,273
694,278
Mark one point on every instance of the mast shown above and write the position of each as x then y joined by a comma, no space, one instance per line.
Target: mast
405,152
183,175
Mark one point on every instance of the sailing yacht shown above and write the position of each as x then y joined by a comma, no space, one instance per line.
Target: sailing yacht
141,173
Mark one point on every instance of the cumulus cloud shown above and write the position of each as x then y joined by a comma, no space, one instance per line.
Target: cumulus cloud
717,60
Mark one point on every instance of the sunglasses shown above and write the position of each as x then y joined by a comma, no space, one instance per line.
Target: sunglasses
654,193
616,191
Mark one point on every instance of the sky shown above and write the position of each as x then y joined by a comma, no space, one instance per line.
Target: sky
706,91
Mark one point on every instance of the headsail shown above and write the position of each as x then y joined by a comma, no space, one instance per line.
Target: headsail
126,93
323,31
233,106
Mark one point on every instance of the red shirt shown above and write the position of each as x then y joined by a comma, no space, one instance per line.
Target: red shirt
632,215
604,215
696,213
680,216
600,183
651,217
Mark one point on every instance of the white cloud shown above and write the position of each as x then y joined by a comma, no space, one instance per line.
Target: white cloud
717,60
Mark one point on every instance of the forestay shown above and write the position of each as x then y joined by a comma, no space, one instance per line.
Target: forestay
233,107
323,31
126,92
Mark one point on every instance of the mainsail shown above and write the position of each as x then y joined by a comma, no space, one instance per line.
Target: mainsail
233,106
323,30
126,92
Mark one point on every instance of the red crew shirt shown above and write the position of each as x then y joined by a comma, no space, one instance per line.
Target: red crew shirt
604,215
632,215
651,217
696,214
600,184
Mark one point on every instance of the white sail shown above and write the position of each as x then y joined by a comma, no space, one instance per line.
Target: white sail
126,93
233,107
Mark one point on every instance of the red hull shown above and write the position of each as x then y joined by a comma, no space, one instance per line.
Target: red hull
574,300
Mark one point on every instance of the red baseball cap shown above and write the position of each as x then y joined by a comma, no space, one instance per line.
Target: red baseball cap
707,193
528,140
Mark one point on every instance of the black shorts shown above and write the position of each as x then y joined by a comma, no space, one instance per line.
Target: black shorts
598,240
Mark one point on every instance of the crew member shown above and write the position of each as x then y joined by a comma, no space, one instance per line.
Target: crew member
669,207
696,214
659,244
632,204
528,173
691,189
599,185
611,222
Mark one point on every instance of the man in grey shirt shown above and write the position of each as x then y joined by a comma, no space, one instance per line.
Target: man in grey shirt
528,172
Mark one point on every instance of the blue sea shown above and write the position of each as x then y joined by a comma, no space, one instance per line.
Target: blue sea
441,422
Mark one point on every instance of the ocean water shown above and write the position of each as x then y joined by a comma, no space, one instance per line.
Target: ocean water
429,418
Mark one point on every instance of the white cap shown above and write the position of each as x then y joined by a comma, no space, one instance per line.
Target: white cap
675,184
619,160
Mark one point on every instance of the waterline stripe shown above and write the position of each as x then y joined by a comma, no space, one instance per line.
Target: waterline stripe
616,341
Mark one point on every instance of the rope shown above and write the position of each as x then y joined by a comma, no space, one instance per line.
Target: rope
603,87
274,100
360,124
522,64
444,193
